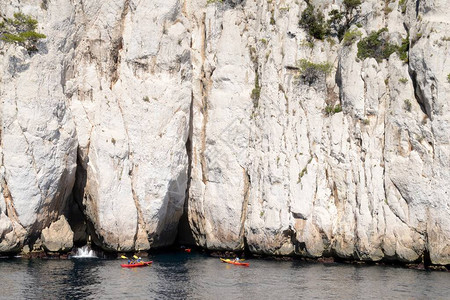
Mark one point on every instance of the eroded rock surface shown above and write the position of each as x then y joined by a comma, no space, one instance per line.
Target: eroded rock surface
58,237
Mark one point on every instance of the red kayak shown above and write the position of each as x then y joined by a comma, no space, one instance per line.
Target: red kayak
137,265
187,250
229,261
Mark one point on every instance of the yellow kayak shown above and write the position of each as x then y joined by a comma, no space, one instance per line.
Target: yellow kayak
231,261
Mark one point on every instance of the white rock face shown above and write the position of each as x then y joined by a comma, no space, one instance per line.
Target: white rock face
58,237
428,193
38,136
12,234
223,80
147,94
362,183
129,85
120,74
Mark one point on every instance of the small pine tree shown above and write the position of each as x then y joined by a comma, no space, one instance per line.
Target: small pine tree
21,30
314,23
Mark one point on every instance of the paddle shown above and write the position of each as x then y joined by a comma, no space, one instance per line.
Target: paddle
130,260
137,260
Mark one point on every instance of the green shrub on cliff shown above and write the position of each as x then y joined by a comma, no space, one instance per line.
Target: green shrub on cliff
351,36
350,5
20,30
376,46
256,92
313,20
309,72
408,105
340,21
331,110
335,25
402,5
314,23
403,49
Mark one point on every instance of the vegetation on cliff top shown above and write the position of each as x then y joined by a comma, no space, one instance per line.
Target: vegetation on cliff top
20,30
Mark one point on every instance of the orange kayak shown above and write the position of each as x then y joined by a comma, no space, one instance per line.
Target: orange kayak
137,265
229,261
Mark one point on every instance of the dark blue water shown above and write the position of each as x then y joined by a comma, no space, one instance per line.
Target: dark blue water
195,276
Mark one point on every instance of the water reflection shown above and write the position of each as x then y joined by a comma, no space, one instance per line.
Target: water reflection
83,280
173,272
45,278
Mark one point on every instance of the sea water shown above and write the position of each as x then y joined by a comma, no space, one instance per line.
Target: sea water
198,276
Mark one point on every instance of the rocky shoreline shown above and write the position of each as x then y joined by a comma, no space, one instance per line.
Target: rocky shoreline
422,265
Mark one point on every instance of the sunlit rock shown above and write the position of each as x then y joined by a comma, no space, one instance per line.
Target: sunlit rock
58,237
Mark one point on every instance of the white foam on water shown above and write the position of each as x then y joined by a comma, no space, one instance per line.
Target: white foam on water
85,252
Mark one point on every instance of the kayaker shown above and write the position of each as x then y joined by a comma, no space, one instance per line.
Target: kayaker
236,259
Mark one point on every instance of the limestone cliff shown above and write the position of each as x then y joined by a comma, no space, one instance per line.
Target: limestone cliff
133,112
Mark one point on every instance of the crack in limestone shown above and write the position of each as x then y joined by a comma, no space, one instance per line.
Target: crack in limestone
141,224
140,218
88,145
197,217
204,109
395,214
117,45
385,153
10,209
244,207
185,232
11,212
